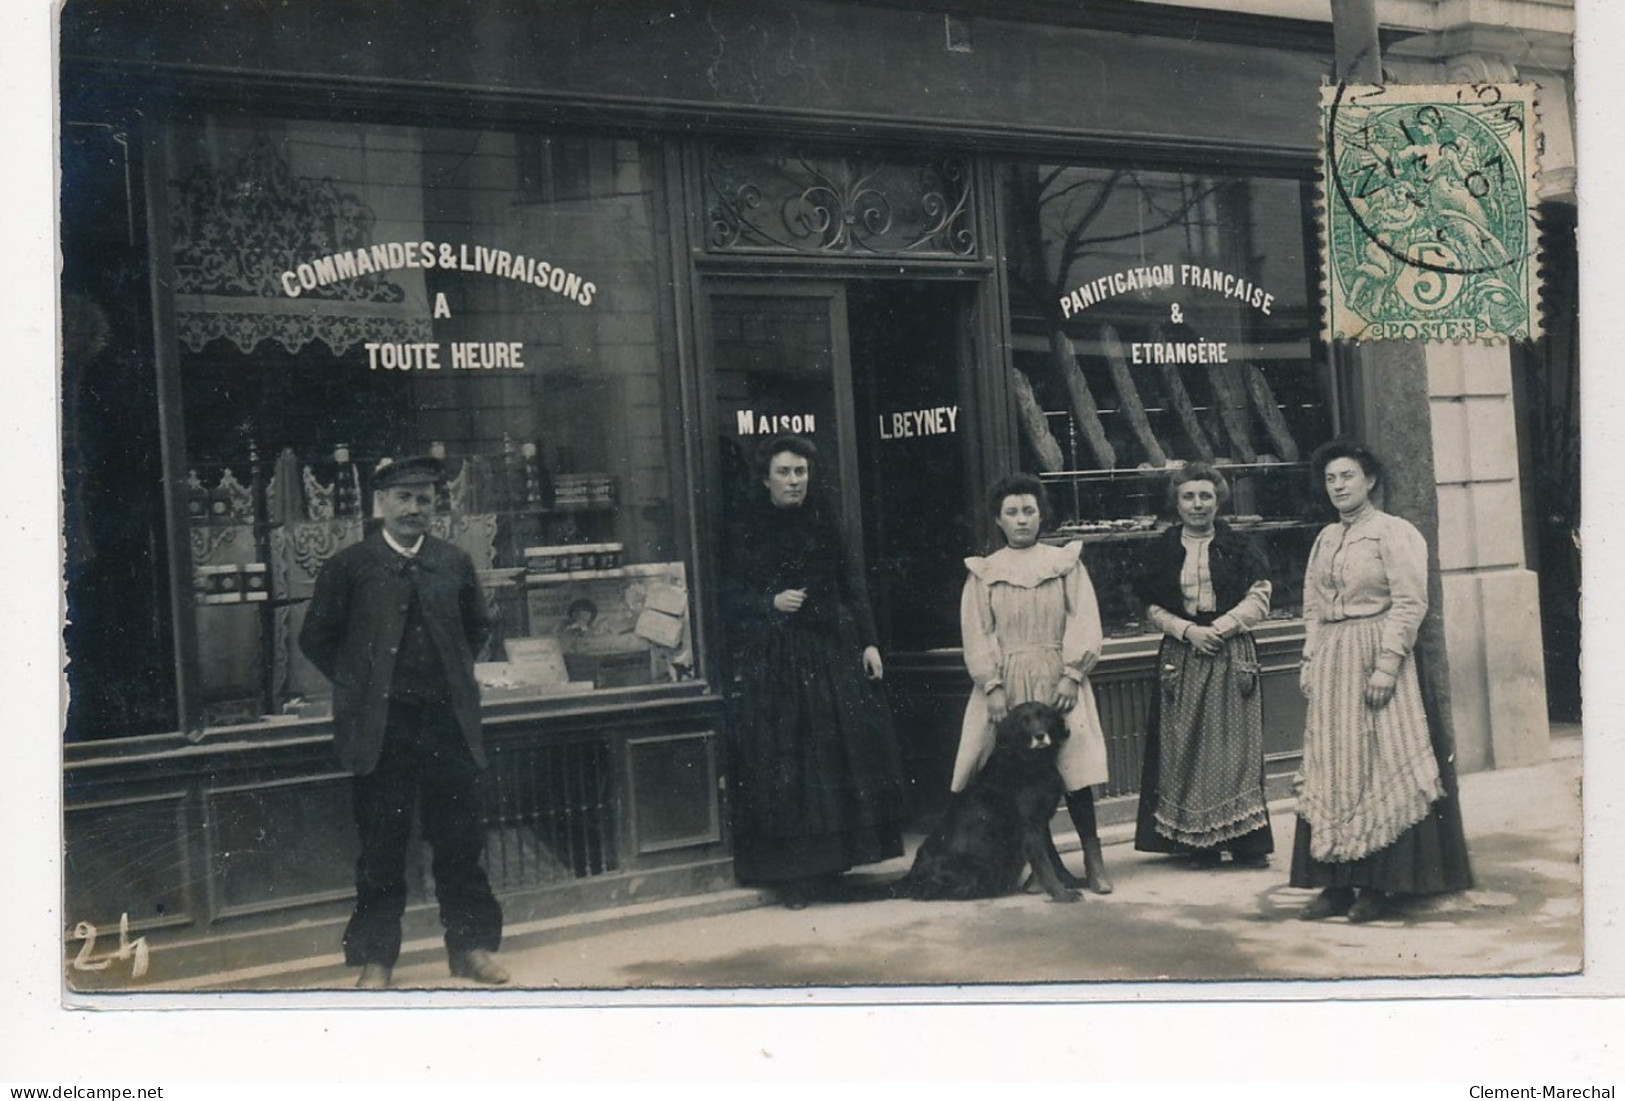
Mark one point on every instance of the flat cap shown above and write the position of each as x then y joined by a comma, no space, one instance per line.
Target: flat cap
415,471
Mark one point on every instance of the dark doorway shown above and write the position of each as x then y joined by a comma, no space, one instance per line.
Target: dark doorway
118,632
875,373
1547,387
879,374
909,395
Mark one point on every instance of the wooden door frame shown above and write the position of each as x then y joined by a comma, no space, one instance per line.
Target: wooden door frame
833,292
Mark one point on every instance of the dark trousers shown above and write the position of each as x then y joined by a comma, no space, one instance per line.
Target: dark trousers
426,764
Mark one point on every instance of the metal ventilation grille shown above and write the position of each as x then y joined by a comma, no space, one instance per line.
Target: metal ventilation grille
550,813
1124,706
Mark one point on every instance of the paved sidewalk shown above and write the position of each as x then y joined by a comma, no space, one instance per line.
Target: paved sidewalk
1166,920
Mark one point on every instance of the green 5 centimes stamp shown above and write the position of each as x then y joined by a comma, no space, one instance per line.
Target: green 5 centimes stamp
1427,231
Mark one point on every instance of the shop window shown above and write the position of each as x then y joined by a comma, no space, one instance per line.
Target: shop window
554,169
118,632
1159,318
344,293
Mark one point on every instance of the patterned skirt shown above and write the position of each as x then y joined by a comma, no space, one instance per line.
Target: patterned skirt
1428,856
1203,782
1368,774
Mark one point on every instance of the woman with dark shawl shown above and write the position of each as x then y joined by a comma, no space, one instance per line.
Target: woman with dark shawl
1205,587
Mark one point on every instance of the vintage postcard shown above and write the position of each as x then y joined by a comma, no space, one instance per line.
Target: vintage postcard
815,501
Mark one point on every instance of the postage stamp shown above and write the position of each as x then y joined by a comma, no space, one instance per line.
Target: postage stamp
1427,228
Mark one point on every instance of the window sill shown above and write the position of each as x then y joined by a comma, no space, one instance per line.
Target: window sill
293,732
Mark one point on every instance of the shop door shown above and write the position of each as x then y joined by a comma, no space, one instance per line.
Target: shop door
910,356
780,366
872,372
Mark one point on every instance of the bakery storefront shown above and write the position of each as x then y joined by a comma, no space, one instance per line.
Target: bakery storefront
592,255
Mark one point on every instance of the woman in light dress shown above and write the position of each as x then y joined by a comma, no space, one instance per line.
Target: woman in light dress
1377,810
1031,631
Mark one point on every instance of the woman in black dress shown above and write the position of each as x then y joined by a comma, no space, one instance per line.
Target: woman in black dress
817,777
1205,586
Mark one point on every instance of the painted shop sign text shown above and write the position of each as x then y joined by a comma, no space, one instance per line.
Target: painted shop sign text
1157,276
463,355
940,421
1179,351
751,423
396,255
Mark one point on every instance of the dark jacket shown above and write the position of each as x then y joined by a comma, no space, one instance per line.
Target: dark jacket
1236,564
353,629
772,549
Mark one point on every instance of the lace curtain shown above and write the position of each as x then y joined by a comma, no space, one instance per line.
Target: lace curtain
249,202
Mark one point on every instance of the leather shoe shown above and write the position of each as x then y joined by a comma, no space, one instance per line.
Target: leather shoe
374,976
1371,906
1331,902
1095,876
478,965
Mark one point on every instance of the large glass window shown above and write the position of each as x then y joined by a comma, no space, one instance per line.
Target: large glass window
344,293
118,631
1160,318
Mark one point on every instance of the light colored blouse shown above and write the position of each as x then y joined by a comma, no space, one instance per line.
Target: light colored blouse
1030,607
1373,564
1196,583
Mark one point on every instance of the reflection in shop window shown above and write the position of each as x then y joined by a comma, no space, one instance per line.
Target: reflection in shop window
1160,318
347,292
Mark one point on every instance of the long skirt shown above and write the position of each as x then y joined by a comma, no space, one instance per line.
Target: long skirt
1033,674
1202,779
1378,806
817,779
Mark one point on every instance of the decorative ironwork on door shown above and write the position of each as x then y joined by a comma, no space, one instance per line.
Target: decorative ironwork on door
765,201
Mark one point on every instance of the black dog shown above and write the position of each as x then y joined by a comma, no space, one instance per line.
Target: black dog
1000,822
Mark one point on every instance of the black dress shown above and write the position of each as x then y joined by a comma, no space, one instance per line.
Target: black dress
817,779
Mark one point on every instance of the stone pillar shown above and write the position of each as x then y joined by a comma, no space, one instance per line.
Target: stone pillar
1394,417
1441,416
1491,602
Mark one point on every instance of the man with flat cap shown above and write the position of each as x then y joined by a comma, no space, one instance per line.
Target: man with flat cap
394,623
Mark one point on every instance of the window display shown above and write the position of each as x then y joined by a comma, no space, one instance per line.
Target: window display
345,293
1160,318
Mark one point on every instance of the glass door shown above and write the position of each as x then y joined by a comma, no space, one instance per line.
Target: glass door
873,371
780,364
910,375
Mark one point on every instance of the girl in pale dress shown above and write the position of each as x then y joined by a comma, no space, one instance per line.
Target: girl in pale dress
1031,631
1377,810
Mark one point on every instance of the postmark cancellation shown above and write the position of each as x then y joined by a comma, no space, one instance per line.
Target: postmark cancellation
1427,224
